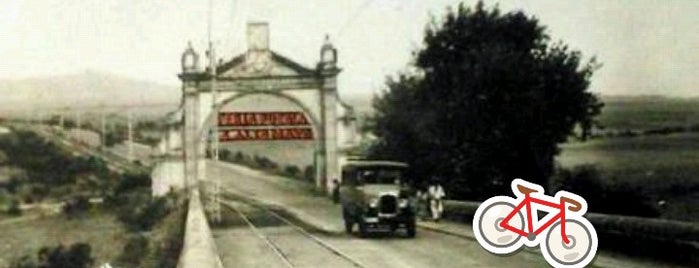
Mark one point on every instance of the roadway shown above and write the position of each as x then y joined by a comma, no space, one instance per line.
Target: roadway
252,236
241,245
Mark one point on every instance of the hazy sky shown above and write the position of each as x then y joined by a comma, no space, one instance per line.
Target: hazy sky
647,47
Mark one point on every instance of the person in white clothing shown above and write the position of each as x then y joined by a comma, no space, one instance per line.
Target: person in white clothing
436,195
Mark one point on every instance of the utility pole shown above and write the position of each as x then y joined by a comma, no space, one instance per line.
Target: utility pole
103,132
216,191
61,121
77,119
129,154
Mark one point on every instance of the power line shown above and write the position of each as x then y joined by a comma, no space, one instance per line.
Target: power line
352,18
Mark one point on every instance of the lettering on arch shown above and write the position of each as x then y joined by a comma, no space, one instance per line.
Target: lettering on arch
253,119
265,134
261,126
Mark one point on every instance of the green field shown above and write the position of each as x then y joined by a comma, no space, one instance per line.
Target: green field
664,168
648,112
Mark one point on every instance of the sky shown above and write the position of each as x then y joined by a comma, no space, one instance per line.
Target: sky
646,47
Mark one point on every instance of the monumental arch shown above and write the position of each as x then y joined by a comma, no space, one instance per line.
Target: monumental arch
261,71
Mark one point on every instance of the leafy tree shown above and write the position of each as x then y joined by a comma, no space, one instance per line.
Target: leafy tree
78,255
490,99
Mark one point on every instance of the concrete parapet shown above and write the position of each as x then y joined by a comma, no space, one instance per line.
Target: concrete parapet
634,235
199,250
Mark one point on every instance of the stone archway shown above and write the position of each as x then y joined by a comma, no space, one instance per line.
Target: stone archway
261,71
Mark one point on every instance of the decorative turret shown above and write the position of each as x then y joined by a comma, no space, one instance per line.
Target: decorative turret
190,60
328,55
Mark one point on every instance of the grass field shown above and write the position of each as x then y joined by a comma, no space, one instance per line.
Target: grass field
648,112
103,232
664,168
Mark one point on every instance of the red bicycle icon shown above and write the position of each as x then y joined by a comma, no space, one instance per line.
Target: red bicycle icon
571,241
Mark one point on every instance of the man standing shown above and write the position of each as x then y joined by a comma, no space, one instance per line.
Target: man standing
336,191
436,195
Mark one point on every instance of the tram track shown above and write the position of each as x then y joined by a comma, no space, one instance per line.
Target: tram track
259,219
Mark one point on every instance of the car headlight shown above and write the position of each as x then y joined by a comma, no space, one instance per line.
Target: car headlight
403,203
374,202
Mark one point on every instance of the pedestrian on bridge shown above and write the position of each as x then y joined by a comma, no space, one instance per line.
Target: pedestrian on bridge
422,202
436,194
336,191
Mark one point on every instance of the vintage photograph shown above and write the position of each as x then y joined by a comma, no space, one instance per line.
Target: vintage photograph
349,133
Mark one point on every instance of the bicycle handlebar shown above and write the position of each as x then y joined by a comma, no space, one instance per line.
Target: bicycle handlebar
575,205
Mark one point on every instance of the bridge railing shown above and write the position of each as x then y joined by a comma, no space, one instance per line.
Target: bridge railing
676,241
199,249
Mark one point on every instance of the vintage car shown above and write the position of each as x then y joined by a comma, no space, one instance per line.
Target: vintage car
374,196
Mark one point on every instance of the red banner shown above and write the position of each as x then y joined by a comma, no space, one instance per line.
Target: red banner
262,134
250,119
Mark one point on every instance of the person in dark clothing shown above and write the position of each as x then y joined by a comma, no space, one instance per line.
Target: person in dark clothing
336,191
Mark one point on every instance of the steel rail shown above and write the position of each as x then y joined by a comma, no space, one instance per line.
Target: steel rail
301,230
259,234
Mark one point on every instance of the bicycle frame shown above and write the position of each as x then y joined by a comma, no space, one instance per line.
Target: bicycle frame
528,200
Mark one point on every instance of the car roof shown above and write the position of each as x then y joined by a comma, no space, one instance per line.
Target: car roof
375,163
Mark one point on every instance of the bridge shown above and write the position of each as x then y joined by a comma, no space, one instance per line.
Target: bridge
258,219
241,217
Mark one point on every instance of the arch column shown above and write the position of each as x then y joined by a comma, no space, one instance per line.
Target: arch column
190,136
328,155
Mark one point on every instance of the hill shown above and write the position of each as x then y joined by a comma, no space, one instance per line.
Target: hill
644,112
91,88
620,112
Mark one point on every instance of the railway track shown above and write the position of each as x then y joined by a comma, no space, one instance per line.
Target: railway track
259,219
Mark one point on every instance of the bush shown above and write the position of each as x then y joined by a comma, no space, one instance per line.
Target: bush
134,251
130,181
309,174
141,212
133,204
265,163
602,196
13,208
239,157
292,171
584,180
167,253
76,206
77,255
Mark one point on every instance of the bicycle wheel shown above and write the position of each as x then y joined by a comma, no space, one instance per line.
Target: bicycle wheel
581,247
488,230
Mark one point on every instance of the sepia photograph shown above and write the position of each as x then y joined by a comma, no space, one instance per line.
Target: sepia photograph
349,133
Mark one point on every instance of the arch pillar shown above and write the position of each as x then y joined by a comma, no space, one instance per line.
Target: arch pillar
190,134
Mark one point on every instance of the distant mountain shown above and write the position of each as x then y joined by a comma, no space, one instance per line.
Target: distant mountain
362,102
91,88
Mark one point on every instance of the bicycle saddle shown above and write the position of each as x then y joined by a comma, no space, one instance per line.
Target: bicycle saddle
525,190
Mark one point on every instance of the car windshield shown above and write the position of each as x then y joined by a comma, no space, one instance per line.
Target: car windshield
380,176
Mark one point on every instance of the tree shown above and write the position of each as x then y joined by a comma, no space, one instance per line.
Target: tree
490,100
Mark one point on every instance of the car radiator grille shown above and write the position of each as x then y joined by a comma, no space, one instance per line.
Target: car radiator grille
388,204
